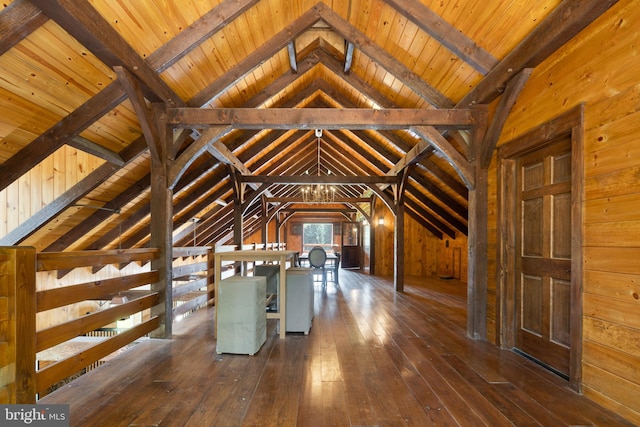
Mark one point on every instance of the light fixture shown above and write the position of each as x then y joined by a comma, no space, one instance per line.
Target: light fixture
381,220
318,193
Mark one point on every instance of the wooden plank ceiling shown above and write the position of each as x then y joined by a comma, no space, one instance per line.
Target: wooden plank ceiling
80,74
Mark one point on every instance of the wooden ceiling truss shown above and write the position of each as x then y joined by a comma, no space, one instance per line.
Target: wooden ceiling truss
228,157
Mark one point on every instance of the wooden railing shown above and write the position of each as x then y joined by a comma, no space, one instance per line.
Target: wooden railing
135,287
20,269
193,277
17,320
20,306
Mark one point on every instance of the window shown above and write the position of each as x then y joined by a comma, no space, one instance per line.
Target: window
317,234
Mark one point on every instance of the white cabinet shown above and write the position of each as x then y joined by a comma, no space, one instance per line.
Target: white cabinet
242,319
299,300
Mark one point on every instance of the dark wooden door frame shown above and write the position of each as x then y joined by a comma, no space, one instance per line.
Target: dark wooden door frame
570,123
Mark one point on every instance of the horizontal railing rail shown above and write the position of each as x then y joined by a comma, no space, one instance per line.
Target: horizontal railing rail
84,306
135,297
192,274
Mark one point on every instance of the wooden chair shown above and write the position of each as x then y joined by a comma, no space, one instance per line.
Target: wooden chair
317,261
331,266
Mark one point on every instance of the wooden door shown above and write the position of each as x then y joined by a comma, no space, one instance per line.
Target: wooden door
543,258
351,246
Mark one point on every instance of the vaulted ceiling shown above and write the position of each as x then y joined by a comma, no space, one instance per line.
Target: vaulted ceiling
79,79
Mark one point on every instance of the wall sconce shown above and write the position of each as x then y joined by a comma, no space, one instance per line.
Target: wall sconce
381,221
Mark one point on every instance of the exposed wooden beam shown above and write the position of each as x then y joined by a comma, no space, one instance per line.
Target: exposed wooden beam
564,22
411,211
418,152
86,25
94,149
319,118
108,209
329,57
220,151
320,209
256,58
314,179
293,63
386,60
445,33
427,166
57,135
53,209
348,57
437,208
131,86
195,149
107,99
437,192
329,61
299,200
398,247
457,160
196,33
507,100
17,21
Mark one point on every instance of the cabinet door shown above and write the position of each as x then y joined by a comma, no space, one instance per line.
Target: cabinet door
351,245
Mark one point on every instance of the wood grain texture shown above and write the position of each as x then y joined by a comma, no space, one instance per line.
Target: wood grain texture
372,357
611,194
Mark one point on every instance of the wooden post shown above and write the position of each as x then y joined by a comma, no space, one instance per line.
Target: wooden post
18,313
211,276
238,199
398,249
278,227
478,266
162,223
264,220
373,225
398,237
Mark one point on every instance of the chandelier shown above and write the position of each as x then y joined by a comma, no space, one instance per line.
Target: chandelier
318,193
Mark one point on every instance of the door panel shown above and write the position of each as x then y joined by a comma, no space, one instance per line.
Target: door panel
543,260
351,245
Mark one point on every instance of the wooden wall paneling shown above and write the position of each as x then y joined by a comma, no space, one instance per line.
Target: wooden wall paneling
13,205
611,139
421,249
613,285
611,334
621,311
7,325
618,348
18,321
611,390
615,337
4,212
24,200
37,182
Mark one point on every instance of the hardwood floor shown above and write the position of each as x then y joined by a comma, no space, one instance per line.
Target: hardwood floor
373,358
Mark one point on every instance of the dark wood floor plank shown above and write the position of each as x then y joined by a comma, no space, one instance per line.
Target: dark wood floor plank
494,395
373,357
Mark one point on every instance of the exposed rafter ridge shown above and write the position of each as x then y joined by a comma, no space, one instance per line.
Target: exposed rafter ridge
387,61
445,33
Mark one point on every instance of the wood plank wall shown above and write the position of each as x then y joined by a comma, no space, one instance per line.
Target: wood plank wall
601,68
42,184
424,254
